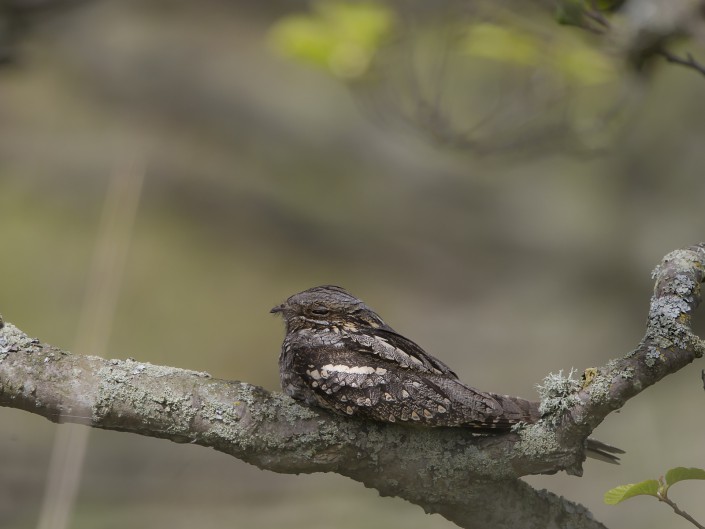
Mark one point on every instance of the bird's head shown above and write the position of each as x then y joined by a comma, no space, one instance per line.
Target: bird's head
327,306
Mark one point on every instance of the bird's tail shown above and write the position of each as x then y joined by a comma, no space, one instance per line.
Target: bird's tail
602,451
528,411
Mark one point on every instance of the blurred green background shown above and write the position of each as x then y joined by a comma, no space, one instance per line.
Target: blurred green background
265,177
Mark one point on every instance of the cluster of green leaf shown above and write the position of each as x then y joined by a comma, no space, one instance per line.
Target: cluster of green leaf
340,37
343,38
566,56
657,488
572,12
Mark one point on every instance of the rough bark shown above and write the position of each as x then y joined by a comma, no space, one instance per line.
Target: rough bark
469,479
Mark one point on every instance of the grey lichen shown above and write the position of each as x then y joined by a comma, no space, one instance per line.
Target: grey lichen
683,285
665,326
15,340
603,381
292,411
536,441
627,373
682,259
667,308
119,385
558,393
600,387
633,352
518,426
653,354
656,272
698,347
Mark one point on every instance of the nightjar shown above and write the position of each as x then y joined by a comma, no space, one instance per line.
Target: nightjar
340,355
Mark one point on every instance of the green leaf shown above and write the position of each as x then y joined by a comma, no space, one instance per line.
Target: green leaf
583,64
570,12
565,57
682,473
624,492
606,5
341,37
498,43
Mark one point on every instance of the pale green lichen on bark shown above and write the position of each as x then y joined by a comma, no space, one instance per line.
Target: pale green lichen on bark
12,340
161,396
669,314
668,326
602,383
536,440
652,356
558,393
600,387
627,373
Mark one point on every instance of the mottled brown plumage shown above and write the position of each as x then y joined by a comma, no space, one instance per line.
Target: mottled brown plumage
340,355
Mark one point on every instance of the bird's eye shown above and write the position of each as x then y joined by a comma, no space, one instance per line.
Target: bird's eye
320,311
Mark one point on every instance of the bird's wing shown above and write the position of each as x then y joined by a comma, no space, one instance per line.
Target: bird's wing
354,382
392,346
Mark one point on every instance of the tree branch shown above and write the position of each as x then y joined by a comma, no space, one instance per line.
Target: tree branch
668,345
688,62
647,27
467,478
445,471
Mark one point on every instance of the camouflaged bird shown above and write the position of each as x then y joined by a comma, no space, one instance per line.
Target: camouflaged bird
340,355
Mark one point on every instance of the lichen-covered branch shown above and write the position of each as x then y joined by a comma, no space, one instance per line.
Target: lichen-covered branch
668,345
469,479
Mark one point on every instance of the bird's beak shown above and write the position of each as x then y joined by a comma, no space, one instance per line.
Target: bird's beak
278,308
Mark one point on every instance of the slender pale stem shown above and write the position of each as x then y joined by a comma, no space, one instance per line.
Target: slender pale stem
680,512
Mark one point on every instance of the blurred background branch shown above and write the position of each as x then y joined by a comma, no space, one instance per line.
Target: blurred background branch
429,67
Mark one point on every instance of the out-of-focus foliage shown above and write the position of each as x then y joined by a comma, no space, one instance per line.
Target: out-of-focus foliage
570,12
495,42
562,56
604,5
341,37
573,12
475,79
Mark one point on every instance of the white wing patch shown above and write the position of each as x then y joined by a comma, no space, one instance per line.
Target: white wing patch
353,370
331,378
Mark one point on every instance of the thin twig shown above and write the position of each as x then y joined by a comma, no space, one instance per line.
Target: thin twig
680,512
688,62
595,15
